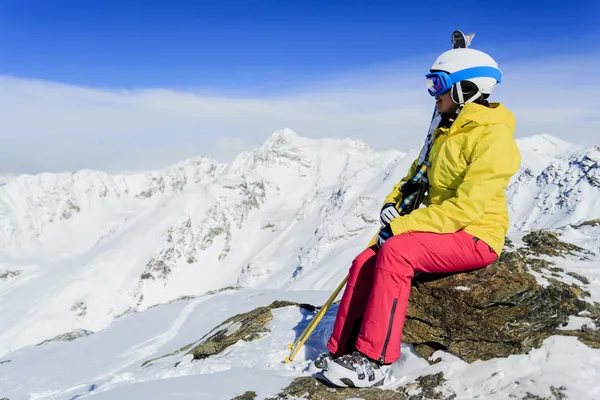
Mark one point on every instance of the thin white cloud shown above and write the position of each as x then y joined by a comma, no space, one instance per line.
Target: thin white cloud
47,126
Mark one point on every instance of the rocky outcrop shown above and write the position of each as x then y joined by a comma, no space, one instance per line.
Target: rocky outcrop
6,274
501,309
68,337
248,327
557,394
246,396
548,243
425,387
591,223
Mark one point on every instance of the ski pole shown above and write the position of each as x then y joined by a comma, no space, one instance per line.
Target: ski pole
313,324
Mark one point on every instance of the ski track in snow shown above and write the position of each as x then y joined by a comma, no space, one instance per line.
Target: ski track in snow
283,222
146,349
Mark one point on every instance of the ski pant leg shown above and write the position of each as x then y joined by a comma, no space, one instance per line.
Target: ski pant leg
353,304
397,260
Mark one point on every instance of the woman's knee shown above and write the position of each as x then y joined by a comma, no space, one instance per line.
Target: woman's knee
398,244
358,263
396,251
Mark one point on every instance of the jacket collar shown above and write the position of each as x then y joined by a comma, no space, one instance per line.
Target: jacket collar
474,114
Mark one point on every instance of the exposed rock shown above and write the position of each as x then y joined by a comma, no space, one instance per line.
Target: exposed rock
427,387
557,394
246,396
592,223
70,208
185,241
546,242
224,289
6,274
498,310
247,327
508,243
176,178
210,292
79,308
430,387
254,195
68,337
587,335
270,226
181,350
284,303
581,278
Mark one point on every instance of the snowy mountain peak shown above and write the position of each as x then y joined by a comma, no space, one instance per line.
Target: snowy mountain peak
284,137
547,145
287,138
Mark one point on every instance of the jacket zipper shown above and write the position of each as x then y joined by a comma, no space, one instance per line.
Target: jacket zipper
389,332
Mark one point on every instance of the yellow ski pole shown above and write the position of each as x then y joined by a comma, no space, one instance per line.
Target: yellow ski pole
319,315
313,324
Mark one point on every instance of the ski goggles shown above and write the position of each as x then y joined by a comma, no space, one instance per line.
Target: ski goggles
440,82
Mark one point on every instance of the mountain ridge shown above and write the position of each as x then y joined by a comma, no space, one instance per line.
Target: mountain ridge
80,249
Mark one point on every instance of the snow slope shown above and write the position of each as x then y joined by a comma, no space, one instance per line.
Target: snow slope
109,364
83,251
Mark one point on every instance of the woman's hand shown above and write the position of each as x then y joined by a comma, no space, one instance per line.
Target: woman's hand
387,214
384,234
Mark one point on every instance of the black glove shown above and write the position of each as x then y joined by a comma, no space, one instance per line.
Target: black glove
384,234
388,213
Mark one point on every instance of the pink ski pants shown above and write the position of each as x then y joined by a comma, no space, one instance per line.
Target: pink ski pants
372,311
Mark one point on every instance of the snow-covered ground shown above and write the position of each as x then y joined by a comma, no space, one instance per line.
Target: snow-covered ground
108,364
93,252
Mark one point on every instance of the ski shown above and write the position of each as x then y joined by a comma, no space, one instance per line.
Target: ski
460,40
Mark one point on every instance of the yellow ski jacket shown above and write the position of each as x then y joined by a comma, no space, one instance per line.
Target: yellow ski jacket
472,162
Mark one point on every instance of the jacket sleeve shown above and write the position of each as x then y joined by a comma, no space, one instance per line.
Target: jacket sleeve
396,195
494,160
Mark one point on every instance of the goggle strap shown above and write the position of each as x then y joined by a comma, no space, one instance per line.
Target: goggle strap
476,72
459,93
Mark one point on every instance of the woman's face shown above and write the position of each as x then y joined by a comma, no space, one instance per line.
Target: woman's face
445,104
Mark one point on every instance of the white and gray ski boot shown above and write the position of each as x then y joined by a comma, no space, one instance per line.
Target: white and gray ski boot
355,370
320,363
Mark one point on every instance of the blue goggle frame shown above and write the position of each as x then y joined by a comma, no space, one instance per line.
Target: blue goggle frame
440,82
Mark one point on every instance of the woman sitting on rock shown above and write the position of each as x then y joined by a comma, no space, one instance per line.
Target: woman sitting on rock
472,156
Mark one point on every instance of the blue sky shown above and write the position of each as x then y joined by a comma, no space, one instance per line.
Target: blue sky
133,85
265,43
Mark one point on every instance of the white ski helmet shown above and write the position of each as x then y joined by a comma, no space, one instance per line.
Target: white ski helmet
476,70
